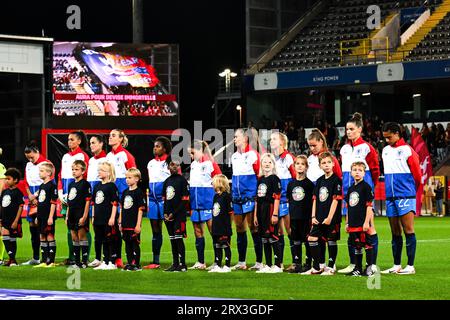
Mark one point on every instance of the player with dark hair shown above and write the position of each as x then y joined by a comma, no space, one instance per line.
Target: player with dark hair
158,172
326,217
11,200
402,176
176,203
77,218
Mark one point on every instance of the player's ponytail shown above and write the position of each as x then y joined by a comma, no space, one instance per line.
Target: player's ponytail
357,119
82,137
202,146
123,136
317,135
31,147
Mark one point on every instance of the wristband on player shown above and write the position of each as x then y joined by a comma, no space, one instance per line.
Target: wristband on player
275,215
313,217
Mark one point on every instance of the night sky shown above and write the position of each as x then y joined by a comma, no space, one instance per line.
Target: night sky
211,35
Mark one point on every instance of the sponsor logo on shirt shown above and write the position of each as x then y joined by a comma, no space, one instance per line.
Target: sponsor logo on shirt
170,193
99,197
72,193
353,199
323,194
262,190
216,209
128,202
298,194
6,201
42,196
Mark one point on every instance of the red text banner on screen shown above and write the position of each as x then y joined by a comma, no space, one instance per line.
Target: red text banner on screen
115,97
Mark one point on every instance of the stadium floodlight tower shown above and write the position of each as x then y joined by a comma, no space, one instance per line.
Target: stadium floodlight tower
227,74
239,108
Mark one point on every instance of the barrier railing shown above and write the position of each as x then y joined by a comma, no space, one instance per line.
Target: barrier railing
367,47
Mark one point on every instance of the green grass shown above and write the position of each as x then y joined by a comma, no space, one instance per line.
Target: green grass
432,280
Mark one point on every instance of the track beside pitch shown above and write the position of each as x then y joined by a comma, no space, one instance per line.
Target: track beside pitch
22,294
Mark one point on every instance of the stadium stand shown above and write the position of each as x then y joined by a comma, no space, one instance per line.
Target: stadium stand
319,44
436,44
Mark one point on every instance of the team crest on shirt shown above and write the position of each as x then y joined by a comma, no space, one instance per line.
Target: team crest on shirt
262,190
216,209
6,201
128,202
170,193
323,194
72,193
203,169
99,197
298,194
353,199
42,195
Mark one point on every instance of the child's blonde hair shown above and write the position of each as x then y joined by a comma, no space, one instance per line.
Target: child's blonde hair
135,172
304,158
110,169
80,163
48,167
272,158
221,182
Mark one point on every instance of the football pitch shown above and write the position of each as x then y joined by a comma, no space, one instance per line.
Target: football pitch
429,283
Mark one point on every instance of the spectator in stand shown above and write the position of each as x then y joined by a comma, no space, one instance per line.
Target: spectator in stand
425,131
439,196
376,122
447,135
431,143
292,135
302,140
331,134
276,125
440,142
